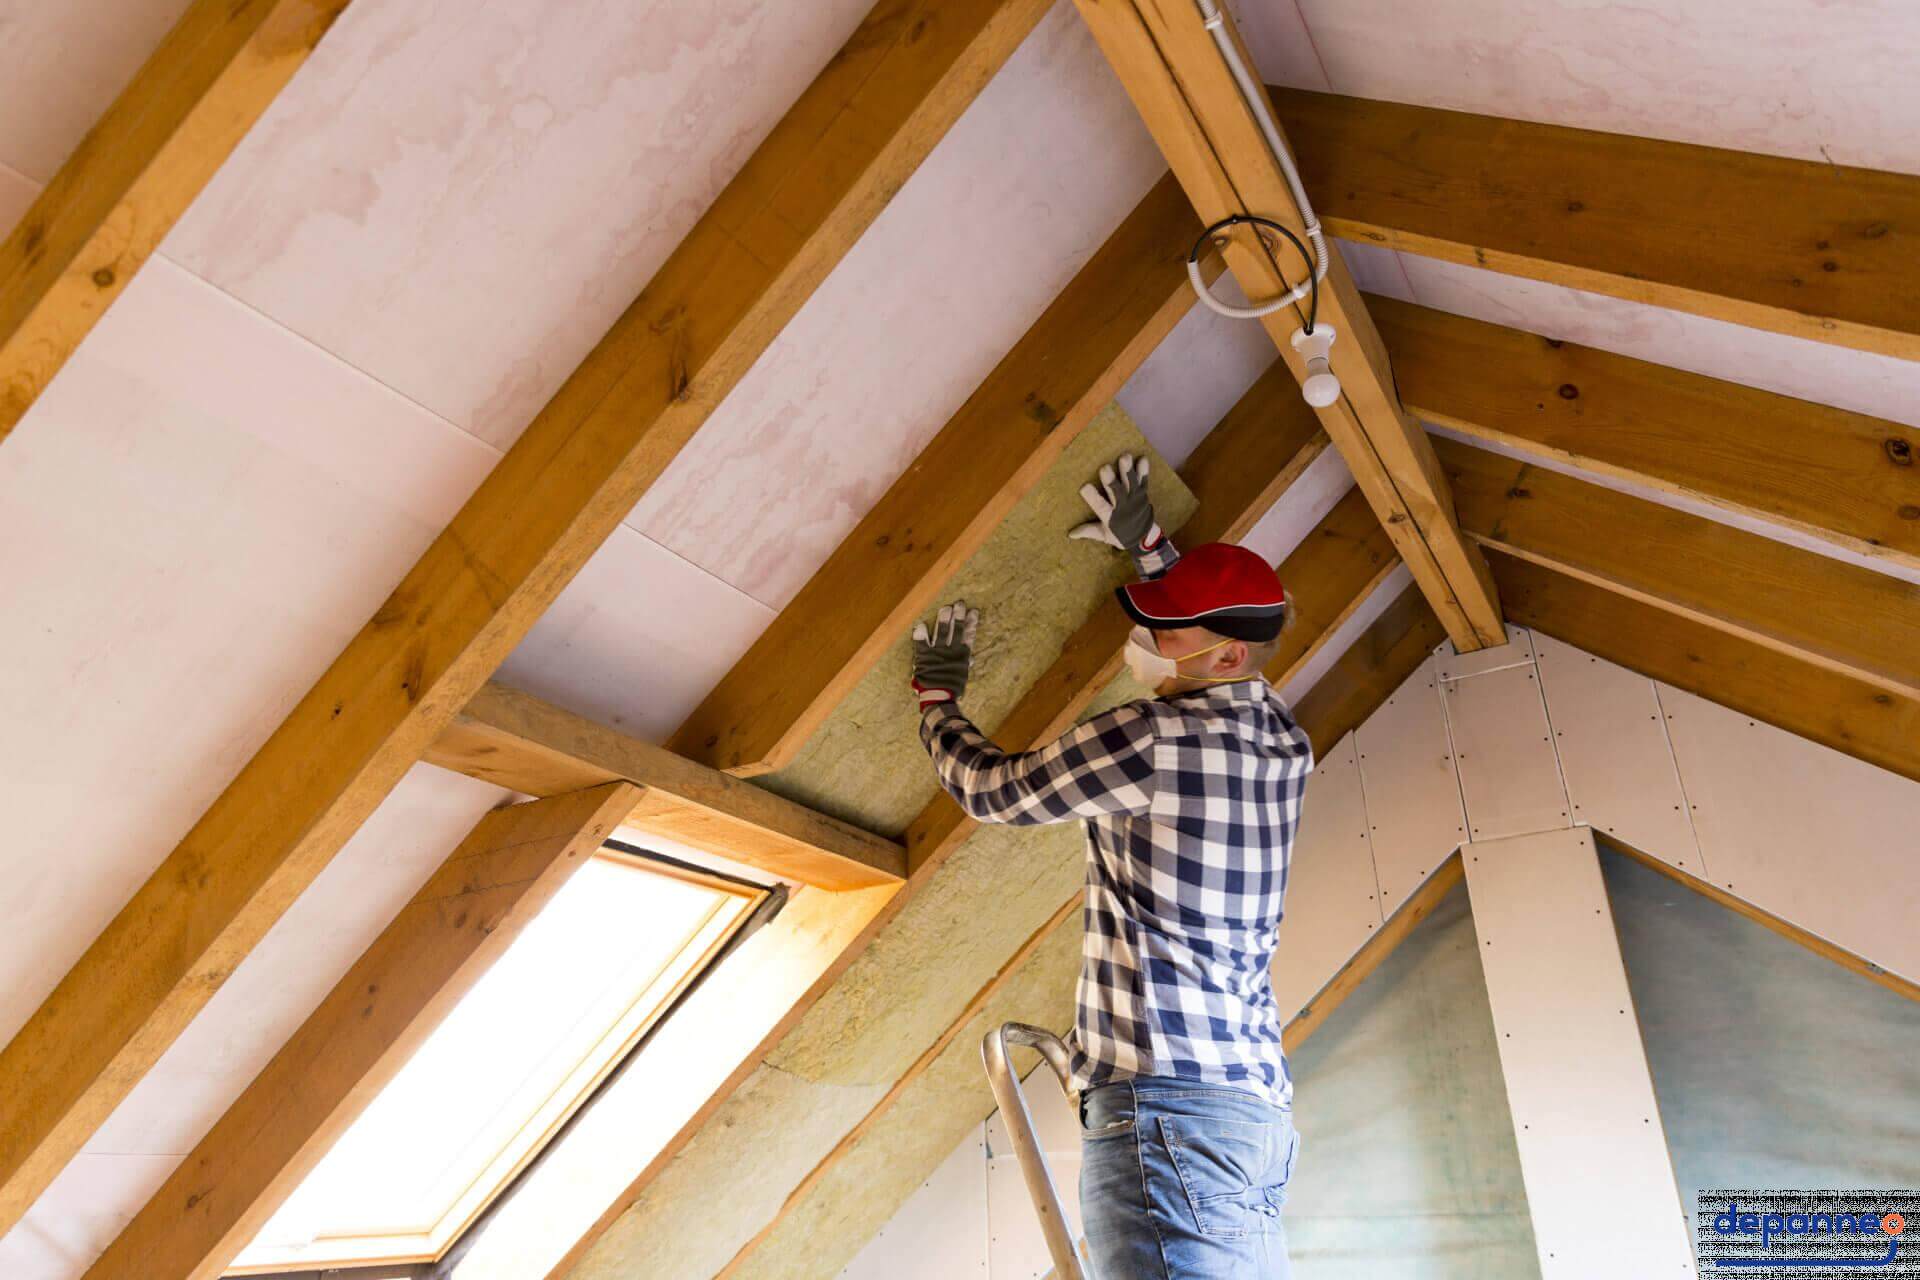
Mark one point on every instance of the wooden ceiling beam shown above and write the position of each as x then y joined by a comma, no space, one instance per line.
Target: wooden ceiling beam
1852,962
771,236
523,743
891,568
1846,478
1237,473
400,989
114,200
1378,661
1170,67
1852,716
1329,576
1801,247
1851,620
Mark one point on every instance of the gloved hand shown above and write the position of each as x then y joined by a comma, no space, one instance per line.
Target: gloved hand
1123,513
942,659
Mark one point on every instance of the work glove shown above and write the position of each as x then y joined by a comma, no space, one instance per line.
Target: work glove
942,657
1123,513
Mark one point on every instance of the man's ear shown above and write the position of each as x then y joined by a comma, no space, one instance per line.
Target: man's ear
1233,656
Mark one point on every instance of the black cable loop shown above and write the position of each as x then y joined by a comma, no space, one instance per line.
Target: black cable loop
1254,219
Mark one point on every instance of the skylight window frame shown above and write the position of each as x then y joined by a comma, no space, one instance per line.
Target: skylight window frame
372,1255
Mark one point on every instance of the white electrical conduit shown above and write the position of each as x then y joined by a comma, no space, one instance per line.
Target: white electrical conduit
1256,99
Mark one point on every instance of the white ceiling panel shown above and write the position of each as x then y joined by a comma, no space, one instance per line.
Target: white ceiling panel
1862,381
637,639
1030,181
16,193
1197,373
198,514
1820,81
460,199
62,63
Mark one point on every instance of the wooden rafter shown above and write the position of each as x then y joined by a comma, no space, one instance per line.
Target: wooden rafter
1808,248
1810,607
1170,67
1329,575
772,235
891,568
1326,558
1848,714
1374,665
1852,962
1237,473
409,978
522,743
1846,478
135,173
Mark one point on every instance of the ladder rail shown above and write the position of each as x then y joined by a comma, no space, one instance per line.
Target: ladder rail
1012,1100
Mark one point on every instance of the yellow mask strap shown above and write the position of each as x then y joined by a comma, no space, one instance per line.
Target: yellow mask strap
1201,653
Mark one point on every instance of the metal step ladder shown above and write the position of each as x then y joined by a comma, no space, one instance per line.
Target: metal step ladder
1067,1262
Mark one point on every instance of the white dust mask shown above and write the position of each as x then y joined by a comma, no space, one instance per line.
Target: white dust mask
1144,660
1151,667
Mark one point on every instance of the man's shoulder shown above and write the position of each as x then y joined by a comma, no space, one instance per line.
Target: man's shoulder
1255,715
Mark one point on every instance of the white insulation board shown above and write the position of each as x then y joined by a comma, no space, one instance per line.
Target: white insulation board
1509,775
1413,793
1612,740
1332,904
1600,1184
1818,838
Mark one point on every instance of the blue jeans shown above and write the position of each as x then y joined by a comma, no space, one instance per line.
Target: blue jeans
1184,1181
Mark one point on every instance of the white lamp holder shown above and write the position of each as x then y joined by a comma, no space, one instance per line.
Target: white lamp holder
1320,386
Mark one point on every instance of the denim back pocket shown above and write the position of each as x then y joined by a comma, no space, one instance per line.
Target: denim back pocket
1225,1167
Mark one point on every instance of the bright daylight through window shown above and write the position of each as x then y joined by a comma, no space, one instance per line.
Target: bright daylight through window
511,1062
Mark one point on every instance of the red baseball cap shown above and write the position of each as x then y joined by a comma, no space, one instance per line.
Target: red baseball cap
1224,588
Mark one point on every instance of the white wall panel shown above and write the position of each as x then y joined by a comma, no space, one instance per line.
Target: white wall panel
1516,652
460,199
1817,838
1614,755
1332,905
192,532
1751,77
1593,1152
1509,775
940,1233
1023,189
1413,794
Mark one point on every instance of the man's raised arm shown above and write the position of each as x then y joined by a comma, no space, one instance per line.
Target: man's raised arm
1102,767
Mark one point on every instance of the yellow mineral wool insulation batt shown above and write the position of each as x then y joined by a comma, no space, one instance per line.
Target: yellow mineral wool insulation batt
1033,586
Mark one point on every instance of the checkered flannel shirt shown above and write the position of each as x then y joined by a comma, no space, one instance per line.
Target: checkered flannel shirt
1191,803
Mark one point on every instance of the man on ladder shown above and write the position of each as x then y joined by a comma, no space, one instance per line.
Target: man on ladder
1191,799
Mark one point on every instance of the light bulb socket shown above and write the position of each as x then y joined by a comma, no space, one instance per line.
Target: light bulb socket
1319,385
